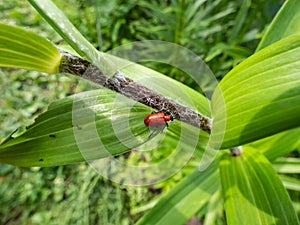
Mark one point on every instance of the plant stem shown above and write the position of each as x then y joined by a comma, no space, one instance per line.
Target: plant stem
127,87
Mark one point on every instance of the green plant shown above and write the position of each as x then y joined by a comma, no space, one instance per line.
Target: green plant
251,111
47,196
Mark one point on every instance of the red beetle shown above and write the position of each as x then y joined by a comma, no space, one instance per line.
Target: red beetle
157,119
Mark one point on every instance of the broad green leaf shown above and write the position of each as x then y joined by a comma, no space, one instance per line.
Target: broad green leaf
261,95
57,135
253,192
287,165
185,199
93,125
45,144
286,23
278,144
91,120
20,48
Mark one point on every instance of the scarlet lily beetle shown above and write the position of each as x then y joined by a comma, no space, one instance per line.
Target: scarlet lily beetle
157,119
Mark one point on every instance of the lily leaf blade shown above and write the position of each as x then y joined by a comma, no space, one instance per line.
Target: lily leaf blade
253,192
261,94
20,48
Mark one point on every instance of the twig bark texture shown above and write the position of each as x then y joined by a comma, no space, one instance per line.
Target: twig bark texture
127,87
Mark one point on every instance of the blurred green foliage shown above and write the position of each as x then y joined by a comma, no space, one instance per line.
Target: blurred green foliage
212,30
207,28
60,195
76,194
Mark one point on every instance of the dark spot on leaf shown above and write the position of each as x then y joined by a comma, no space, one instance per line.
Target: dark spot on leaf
78,127
237,151
52,135
41,160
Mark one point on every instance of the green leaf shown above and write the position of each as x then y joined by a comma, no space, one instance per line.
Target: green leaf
239,20
20,48
45,144
287,165
278,144
253,192
185,199
231,50
290,183
60,23
55,138
89,125
162,84
92,125
215,209
261,95
286,23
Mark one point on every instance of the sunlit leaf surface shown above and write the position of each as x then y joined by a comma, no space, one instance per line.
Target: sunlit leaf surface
184,200
253,192
20,48
90,120
261,94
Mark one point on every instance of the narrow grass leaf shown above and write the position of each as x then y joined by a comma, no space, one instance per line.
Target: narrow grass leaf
239,21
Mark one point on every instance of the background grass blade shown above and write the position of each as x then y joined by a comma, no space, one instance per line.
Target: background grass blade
239,21
215,209
287,165
290,183
286,23
20,48
253,192
261,94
